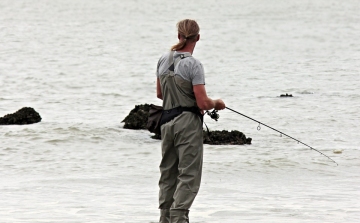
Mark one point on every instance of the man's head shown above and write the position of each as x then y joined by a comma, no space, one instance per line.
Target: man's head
188,31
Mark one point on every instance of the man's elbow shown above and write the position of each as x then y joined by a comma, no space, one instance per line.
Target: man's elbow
159,96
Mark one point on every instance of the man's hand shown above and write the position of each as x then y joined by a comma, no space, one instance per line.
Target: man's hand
219,104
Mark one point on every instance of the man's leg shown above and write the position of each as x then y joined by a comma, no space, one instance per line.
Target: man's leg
164,216
189,144
168,168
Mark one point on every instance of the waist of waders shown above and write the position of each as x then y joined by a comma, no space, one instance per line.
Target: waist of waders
168,115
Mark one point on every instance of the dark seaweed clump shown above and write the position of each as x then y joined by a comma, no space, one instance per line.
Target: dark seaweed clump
137,119
23,116
225,137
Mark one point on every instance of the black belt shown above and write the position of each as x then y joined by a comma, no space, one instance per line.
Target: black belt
168,115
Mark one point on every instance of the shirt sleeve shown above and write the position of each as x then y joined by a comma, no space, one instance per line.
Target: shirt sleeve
198,75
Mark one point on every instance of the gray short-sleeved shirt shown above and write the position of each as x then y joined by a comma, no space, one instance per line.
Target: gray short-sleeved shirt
188,68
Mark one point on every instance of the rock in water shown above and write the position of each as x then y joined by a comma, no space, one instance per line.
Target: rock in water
137,117
286,95
226,138
23,116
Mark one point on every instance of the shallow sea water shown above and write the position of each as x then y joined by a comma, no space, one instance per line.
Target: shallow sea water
83,65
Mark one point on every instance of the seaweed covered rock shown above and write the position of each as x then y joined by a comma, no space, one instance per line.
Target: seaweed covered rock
226,138
286,95
23,116
137,117
156,136
221,138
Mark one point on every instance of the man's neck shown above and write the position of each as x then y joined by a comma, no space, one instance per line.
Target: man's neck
188,48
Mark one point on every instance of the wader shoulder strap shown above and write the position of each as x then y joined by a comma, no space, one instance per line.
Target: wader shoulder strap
171,59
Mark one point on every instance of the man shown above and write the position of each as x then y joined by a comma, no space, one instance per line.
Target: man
181,86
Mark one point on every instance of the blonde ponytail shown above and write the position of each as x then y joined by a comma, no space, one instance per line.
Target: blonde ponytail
189,30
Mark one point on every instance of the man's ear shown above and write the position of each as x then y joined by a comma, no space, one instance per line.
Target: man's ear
198,37
178,35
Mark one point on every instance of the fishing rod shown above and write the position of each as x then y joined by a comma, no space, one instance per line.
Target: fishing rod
215,116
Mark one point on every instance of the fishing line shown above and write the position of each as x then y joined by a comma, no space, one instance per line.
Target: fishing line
281,133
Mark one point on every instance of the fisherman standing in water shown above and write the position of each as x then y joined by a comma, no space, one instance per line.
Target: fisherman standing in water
181,86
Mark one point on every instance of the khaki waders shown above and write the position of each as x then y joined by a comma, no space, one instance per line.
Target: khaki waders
182,151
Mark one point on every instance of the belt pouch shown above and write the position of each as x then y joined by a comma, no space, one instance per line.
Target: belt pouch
170,114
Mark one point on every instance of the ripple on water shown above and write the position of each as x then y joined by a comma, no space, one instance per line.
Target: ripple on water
305,92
